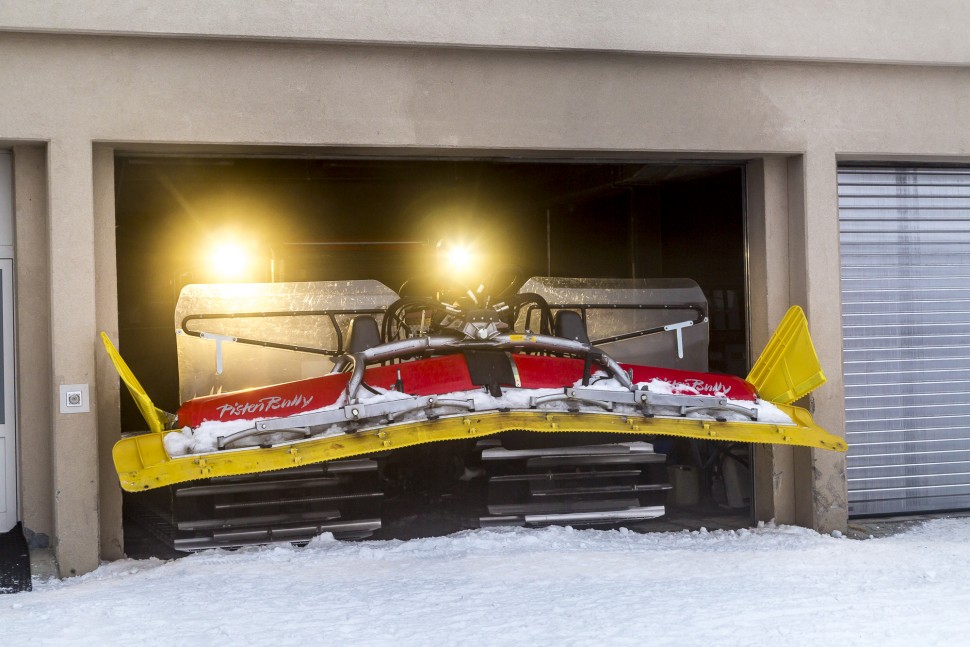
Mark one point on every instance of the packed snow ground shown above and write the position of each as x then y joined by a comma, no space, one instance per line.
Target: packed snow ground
778,586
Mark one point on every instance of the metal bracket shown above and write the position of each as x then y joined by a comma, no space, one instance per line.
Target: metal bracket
679,327
218,339
357,412
646,400
468,405
750,413
569,396
572,396
223,442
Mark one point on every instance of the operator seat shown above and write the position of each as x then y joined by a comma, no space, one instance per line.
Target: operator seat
362,334
569,324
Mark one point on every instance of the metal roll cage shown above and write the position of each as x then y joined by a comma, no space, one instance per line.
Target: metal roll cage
420,345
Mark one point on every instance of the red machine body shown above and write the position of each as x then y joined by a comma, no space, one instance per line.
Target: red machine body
435,376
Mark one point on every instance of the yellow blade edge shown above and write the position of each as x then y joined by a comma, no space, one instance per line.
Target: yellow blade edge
788,368
155,417
143,464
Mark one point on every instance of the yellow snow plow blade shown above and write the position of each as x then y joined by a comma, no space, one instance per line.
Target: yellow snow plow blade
155,417
142,462
788,367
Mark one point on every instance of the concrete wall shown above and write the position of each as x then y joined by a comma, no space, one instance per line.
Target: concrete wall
931,31
81,96
32,293
111,539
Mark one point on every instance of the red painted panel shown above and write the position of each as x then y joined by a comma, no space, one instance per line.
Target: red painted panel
273,401
692,383
420,377
538,372
433,376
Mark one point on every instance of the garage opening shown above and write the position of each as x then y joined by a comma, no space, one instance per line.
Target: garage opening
358,218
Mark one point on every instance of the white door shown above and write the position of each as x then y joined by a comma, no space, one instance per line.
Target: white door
8,427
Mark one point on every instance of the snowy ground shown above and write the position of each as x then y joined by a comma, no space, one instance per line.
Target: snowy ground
779,586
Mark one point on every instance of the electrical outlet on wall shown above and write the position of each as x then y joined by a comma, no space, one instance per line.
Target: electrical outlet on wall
74,398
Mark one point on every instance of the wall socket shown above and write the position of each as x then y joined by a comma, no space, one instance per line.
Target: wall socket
74,398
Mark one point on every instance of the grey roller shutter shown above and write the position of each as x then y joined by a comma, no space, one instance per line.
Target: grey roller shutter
905,253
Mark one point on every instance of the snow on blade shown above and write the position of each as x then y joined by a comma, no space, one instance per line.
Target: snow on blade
204,438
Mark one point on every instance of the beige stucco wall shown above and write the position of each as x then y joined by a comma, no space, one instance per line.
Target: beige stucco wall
84,95
33,336
111,539
930,31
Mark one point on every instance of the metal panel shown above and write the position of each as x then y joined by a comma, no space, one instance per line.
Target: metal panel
675,300
905,252
288,314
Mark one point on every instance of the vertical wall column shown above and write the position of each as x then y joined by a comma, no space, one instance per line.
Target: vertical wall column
768,299
73,329
814,236
33,339
108,389
793,247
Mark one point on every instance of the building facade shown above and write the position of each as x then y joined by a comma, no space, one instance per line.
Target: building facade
803,94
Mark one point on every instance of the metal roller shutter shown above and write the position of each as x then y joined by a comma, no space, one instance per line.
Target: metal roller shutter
905,250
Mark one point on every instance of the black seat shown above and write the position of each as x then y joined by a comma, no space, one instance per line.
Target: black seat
362,334
570,325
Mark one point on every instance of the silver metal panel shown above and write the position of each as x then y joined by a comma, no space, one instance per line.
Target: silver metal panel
244,366
653,350
905,254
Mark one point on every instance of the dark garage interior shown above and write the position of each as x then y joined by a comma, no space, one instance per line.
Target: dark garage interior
355,218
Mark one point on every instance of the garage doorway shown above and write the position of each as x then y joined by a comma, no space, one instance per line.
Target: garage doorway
354,218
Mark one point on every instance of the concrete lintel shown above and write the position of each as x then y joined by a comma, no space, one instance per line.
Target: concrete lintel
73,327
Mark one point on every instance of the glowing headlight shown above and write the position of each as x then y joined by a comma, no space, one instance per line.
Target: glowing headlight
229,260
460,259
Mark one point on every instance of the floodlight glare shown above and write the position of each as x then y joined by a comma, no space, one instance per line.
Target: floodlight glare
460,259
229,260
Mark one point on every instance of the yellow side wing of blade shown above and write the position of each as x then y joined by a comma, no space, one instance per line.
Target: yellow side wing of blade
143,464
788,367
156,418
